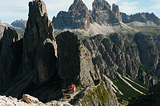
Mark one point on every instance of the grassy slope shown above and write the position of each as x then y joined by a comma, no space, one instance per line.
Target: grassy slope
128,92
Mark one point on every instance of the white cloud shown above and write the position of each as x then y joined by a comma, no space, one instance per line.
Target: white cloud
129,7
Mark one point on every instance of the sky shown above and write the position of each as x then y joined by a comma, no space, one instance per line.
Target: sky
11,10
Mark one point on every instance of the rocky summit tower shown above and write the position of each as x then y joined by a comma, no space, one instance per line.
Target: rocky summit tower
39,48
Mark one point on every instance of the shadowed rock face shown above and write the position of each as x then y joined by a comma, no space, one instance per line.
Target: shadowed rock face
75,63
102,13
77,17
39,50
10,57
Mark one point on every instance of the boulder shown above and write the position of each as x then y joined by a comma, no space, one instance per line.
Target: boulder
29,99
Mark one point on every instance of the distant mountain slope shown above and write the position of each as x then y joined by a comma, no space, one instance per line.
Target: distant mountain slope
3,25
141,19
19,23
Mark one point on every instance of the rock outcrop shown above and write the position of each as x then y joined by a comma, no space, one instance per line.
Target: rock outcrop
11,47
102,13
147,18
19,23
29,99
77,17
39,45
100,95
10,101
115,9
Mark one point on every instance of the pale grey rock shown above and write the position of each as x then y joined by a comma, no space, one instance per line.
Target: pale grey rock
29,99
10,101
102,13
115,9
92,96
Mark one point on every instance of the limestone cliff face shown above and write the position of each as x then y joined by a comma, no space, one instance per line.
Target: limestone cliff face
39,46
10,57
77,17
119,52
102,13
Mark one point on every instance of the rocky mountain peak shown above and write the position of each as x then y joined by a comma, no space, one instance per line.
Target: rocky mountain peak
77,17
100,5
102,13
11,34
37,9
115,9
78,6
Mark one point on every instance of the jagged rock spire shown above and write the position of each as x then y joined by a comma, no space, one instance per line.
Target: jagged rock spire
10,49
102,14
115,9
39,43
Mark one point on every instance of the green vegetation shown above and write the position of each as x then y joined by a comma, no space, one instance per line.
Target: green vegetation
99,92
128,92
78,88
145,91
56,32
140,83
129,44
84,37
